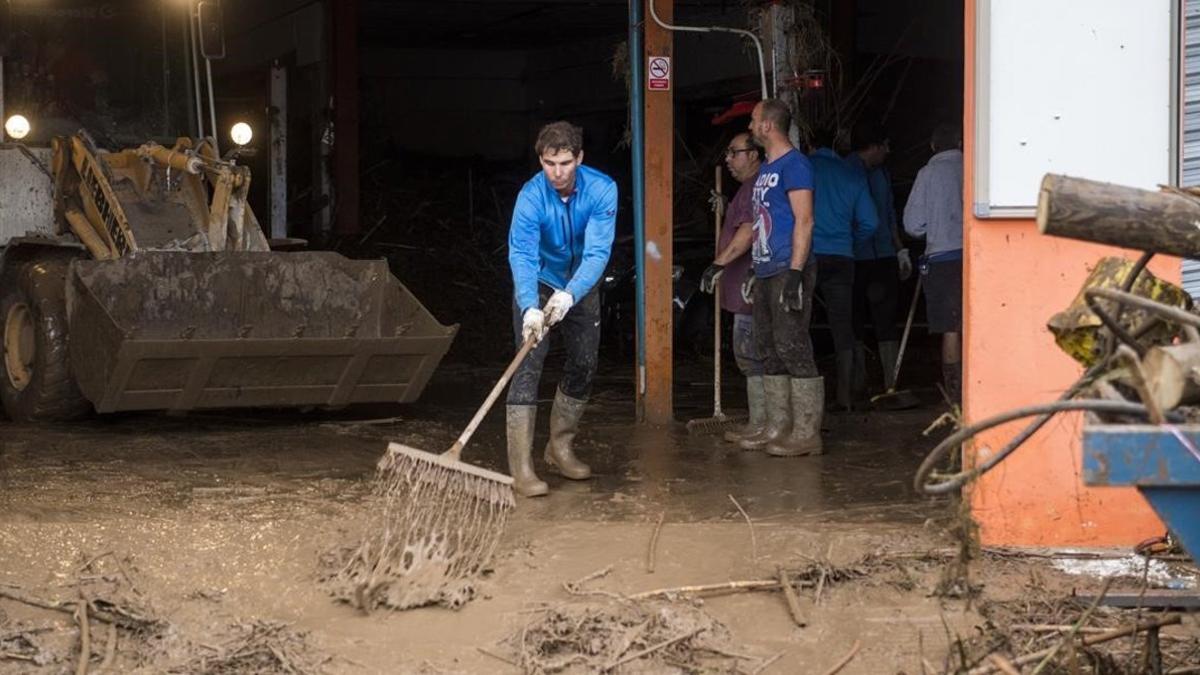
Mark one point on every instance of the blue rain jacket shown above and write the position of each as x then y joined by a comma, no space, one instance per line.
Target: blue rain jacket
843,212
564,245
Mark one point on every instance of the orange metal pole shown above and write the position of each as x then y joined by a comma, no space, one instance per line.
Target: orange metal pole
659,124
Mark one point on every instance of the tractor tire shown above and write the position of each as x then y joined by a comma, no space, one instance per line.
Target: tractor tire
36,384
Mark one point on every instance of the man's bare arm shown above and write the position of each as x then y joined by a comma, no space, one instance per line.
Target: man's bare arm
802,210
737,247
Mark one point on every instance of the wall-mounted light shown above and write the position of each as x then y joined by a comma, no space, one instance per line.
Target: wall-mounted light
17,127
241,133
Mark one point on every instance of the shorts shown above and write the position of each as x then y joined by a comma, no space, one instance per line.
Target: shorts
943,295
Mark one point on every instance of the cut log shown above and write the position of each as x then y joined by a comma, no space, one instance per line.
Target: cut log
1077,208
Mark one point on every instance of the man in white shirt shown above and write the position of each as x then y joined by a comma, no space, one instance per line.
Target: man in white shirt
935,212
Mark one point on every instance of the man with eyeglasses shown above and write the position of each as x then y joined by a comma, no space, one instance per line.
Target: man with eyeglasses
730,269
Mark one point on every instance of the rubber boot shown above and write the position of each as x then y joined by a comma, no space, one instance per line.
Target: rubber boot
758,416
952,378
808,405
777,397
845,377
564,424
521,420
888,352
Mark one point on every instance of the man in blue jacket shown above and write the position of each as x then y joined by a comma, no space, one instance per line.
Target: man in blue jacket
880,263
558,246
843,215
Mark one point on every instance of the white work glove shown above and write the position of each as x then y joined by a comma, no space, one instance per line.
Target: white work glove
716,200
748,289
558,306
905,262
533,325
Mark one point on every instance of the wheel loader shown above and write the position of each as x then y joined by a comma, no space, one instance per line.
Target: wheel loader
156,289
135,276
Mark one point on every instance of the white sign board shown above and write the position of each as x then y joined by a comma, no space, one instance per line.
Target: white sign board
1086,89
658,72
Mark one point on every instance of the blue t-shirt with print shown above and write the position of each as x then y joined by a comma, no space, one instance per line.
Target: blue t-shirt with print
773,217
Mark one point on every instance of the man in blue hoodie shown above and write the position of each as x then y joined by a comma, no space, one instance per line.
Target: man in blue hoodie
843,215
558,246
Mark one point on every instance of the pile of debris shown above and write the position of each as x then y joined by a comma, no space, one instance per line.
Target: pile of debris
114,628
1066,635
619,636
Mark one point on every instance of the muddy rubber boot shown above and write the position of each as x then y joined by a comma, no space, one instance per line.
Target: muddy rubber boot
952,378
845,378
564,424
758,416
777,398
888,352
808,406
521,420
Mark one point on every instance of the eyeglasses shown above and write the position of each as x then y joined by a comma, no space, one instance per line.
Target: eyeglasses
730,152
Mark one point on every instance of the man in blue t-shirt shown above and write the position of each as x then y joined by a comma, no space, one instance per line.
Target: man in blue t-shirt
784,278
558,247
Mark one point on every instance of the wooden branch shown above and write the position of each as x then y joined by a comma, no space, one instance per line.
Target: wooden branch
1169,620
767,664
753,538
650,553
793,602
110,650
69,608
652,648
1003,665
85,637
1070,636
845,659
1076,208
727,587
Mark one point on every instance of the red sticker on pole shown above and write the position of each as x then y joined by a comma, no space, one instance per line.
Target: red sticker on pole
658,70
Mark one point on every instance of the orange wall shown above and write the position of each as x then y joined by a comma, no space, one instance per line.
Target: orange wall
1015,279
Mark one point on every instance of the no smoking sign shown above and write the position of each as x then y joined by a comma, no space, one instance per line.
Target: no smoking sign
659,72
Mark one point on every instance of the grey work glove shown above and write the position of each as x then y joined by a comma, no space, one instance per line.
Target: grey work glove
905,263
708,281
748,288
716,200
792,296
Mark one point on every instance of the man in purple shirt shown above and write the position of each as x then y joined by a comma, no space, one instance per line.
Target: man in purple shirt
730,269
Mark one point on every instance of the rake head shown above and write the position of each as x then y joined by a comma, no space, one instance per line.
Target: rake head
715,424
436,526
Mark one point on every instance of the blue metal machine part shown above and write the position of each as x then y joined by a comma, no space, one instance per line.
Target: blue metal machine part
1162,462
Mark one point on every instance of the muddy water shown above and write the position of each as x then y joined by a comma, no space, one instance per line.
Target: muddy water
240,506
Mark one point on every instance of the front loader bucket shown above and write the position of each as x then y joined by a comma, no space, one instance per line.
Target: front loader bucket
179,331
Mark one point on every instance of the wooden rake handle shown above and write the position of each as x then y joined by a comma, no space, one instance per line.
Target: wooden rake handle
456,450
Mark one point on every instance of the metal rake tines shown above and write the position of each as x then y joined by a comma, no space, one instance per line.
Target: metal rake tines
438,526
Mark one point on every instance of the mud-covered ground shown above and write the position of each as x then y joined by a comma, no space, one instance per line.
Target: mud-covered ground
218,521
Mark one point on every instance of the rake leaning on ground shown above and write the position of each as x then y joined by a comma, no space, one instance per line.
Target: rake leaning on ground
439,524
719,421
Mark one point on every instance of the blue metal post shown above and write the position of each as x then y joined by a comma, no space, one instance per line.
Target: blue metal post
638,159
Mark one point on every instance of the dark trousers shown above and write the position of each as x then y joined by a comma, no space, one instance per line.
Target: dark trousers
579,332
745,349
835,283
782,336
877,295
